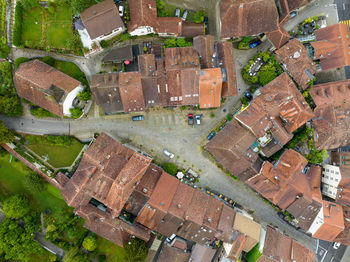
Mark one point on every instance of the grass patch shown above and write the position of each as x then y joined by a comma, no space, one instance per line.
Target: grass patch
12,182
58,155
112,252
169,11
254,254
71,69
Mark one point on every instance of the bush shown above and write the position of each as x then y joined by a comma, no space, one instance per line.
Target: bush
20,61
85,95
76,112
16,206
4,50
229,117
90,243
103,44
267,74
41,112
244,43
48,60
170,168
35,182
199,16
212,115
244,101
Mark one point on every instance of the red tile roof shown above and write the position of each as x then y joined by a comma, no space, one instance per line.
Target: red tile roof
247,17
297,61
332,114
170,25
210,83
344,236
237,247
333,222
101,19
142,13
279,36
131,93
204,45
44,85
332,46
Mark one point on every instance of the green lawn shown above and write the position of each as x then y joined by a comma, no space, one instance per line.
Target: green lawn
113,252
41,29
170,10
254,254
71,69
59,156
11,182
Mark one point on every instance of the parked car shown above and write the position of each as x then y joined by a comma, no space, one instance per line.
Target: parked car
255,44
206,21
184,15
211,135
336,245
168,154
293,14
248,95
138,118
121,10
190,119
198,119
177,12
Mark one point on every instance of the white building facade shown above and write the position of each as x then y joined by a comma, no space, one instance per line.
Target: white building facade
331,177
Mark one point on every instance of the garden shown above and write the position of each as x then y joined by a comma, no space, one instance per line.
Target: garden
168,10
47,29
306,29
4,48
261,69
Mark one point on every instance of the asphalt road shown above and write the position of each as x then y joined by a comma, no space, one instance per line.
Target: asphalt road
326,253
343,7
168,128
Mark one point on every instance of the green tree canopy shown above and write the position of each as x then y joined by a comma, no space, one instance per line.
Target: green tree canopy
267,74
16,206
35,182
16,242
90,243
6,136
170,168
199,16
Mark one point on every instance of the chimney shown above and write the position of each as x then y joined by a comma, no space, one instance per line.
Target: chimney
285,164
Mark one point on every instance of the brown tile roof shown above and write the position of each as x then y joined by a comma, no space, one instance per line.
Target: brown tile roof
213,213
190,29
204,45
202,253
107,172
231,147
225,225
210,83
44,85
172,254
227,62
131,93
333,222
181,57
181,200
170,25
119,54
279,36
147,65
251,229
164,192
190,86
237,247
149,180
279,247
105,91
142,13
332,46
279,108
247,17
197,208
101,19
332,114
297,61
344,236
295,4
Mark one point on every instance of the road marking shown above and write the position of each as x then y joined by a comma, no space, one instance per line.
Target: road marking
325,253
344,6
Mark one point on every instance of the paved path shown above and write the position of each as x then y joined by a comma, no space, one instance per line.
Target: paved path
48,245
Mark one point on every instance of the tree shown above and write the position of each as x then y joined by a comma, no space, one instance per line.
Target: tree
76,112
85,95
90,243
16,206
16,242
6,136
160,4
170,42
75,255
80,5
35,182
199,16
10,105
170,168
136,251
267,74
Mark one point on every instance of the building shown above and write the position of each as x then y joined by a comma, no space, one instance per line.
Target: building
344,236
202,253
329,222
47,87
102,21
232,149
227,63
295,59
130,89
279,247
272,117
331,177
292,186
331,123
332,47
118,55
210,83
144,21
245,18
105,91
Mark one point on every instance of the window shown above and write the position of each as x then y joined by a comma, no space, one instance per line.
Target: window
336,172
331,178
327,176
336,180
332,171
327,170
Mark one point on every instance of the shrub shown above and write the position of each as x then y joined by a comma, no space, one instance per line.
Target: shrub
244,101
244,43
48,60
16,206
199,16
85,95
212,115
41,112
76,112
103,44
35,182
20,61
229,117
170,168
90,243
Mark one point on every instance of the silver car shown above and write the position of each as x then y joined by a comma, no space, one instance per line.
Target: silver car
177,12
168,154
184,16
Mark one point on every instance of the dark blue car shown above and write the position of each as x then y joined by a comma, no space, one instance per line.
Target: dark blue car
254,44
211,135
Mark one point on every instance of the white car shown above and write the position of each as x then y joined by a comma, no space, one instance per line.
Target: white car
121,10
168,154
336,245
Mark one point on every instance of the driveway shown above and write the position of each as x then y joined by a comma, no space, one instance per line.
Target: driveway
168,129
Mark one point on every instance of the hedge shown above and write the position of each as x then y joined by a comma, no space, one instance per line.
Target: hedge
17,29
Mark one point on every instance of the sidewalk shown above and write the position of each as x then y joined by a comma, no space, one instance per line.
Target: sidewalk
346,256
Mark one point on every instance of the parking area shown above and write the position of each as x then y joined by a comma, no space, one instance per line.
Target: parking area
327,253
